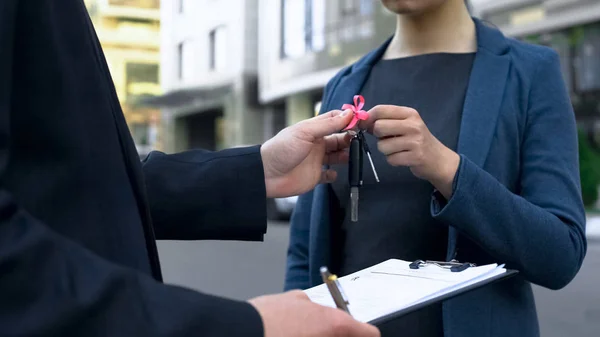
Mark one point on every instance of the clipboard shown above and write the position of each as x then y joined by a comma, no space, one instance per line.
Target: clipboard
384,319
454,279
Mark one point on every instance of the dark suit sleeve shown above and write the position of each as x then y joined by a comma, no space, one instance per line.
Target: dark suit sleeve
202,195
51,286
541,230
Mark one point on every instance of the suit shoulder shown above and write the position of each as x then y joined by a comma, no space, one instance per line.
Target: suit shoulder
531,55
336,78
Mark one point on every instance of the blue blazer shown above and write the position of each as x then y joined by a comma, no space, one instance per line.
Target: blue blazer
517,196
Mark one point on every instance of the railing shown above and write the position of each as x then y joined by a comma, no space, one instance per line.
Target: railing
344,30
147,4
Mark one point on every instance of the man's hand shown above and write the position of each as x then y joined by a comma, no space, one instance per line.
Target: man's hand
406,141
294,158
293,314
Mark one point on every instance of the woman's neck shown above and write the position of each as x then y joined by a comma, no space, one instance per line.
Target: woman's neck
447,28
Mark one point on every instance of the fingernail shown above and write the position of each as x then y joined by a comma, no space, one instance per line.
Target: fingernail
345,113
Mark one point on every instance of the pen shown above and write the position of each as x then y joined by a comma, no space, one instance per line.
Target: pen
335,289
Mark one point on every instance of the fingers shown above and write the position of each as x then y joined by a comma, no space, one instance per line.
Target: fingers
332,113
362,330
345,325
325,124
392,112
381,112
339,157
365,330
328,176
393,145
395,127
337,142
405,158
299,294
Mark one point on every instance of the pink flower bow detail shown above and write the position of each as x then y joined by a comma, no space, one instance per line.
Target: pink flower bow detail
359,113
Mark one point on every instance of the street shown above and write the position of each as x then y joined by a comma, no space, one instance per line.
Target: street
241,270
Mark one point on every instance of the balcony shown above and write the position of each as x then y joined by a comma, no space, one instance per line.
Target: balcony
116,37
131,35
149,4
133,9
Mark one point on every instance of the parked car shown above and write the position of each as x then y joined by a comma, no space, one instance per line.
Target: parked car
280,209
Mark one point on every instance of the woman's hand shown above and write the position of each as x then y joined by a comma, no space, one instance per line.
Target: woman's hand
406,141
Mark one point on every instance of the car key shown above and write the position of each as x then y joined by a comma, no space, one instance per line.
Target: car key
355,173
361,134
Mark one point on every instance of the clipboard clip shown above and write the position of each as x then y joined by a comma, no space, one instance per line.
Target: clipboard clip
453,265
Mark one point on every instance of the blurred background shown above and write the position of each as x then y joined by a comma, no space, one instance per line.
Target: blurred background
216,74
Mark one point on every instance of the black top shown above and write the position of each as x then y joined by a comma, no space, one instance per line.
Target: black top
394,215
77,242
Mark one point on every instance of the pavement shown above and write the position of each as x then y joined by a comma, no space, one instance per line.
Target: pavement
236,270
242,270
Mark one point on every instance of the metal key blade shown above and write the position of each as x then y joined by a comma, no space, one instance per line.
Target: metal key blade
354,204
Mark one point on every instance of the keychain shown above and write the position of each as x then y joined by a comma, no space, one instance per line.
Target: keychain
358,145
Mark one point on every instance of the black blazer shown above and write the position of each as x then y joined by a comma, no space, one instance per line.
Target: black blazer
79,213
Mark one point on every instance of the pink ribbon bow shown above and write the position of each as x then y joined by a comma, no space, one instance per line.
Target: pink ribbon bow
359,114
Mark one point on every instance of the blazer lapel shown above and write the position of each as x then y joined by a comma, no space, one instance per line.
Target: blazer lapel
484,95
482,102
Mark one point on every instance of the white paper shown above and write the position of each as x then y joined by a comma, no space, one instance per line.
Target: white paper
392,286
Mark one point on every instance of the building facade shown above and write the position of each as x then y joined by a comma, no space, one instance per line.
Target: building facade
304,43
572,28
236,72
209,74
129,32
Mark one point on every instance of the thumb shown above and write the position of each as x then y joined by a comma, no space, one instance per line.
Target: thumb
364,330
326,124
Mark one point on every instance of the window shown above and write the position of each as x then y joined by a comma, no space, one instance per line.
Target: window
348,7
354,8
318,25
185,59
141,80
587,65
218,48
303,27
150,4
366,7
357,19
140,133
294,28
180,60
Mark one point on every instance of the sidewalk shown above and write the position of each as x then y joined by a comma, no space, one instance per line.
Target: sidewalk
593,227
